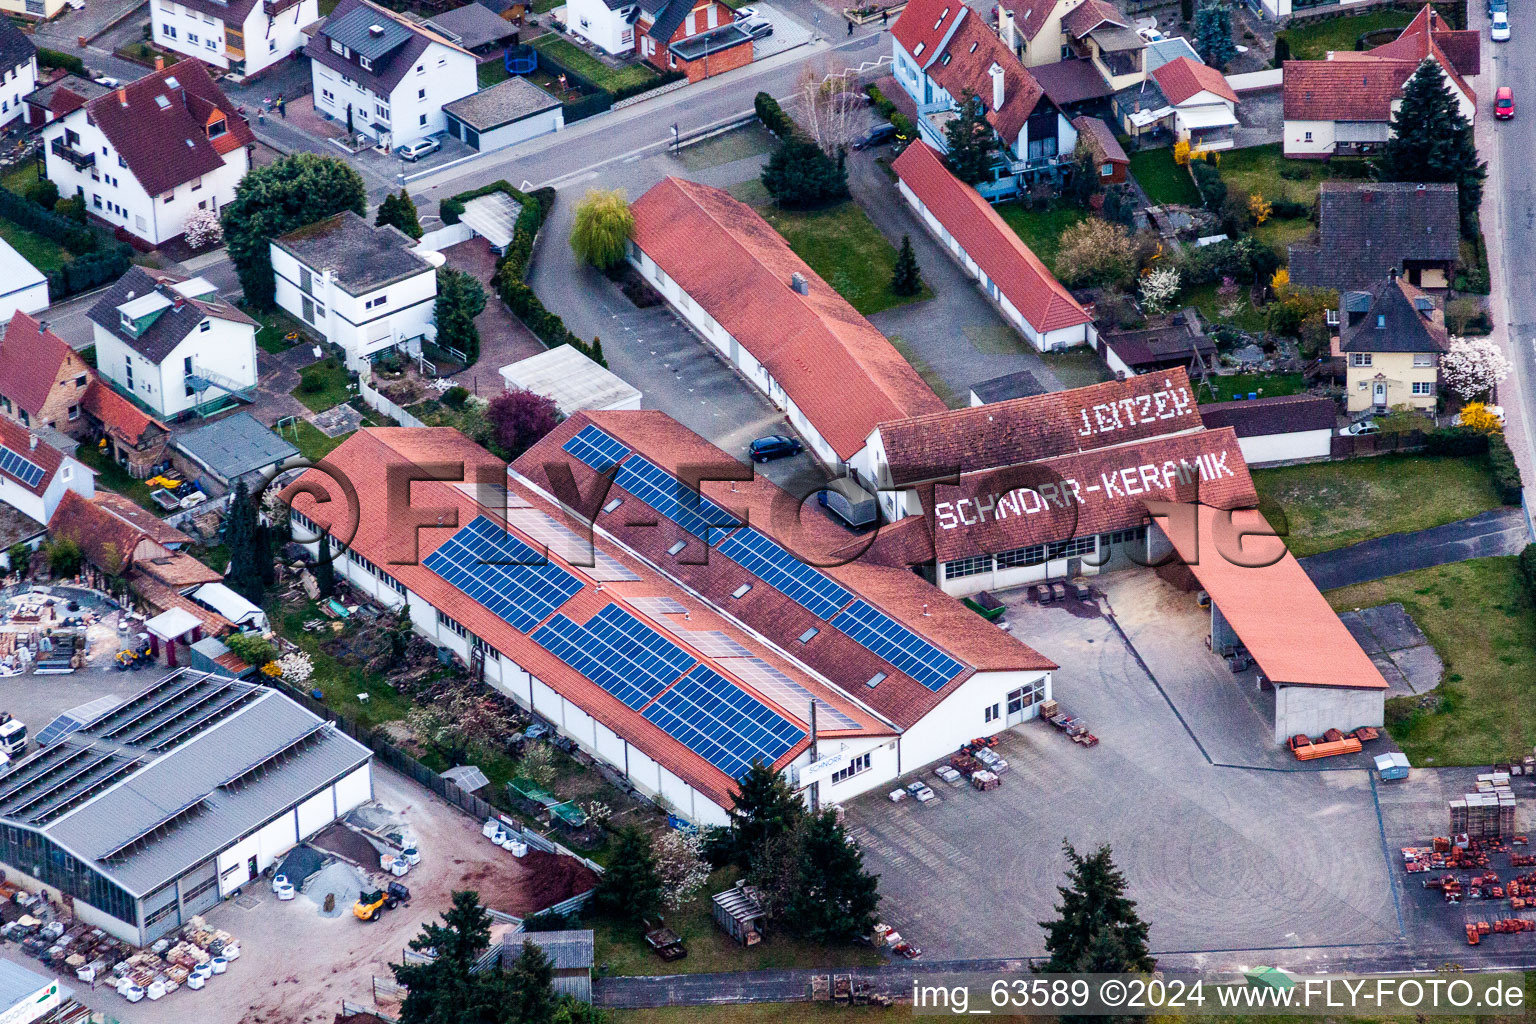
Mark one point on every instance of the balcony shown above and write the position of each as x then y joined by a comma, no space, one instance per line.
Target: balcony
79,160
272,8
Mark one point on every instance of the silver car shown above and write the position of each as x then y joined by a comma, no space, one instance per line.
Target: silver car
418,149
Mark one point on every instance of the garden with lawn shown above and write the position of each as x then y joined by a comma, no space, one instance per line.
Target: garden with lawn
1329,505
1041,229
1478,616
843,245
589,67
1313,40
323,385
1164,182
1241,385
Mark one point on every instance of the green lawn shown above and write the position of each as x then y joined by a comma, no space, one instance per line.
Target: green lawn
311,441
1278,234
19,177
1163,180
1265,385
491,72
623,950
589,67
42,253
1332,504
334,385
1076,367
112,477
340,683
275,328
1313,41
1041,229
1479,619
1256,170
843,245
1205,298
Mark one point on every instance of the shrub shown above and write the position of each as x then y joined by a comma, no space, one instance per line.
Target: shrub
44,193
881,103
1094,251
450,210
311,380
1213,190
1289,209
251,648
1528,569
28,214
1506,474
773,117
1461,441
455,397
54,59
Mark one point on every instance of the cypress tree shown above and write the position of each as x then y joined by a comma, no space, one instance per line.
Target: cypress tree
907,279
242,536
834,898
763,808
972,142
1432,142
1098,930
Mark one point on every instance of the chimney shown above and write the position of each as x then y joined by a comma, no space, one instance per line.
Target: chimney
798,282
122,96
996,71
159,63
1008,29
32,441
1367,196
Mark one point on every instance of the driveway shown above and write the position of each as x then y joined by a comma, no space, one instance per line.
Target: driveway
1219,858
503,338
1502,531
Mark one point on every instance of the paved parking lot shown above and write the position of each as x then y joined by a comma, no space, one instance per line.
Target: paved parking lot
1220,858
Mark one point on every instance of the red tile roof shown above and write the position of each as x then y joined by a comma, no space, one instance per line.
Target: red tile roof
1030,16
107,541
1251,578
1343,90
153,526
1100,140
987,239
973,50
1087,493
398,548
1182,78
1427,33
836,366
923,24
168,145
119,416
21,441
1089,15
30,358
1040,426
803,529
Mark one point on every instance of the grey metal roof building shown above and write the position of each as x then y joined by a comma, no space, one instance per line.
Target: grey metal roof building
158,807
234,446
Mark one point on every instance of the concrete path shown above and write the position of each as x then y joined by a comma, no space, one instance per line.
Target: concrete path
1500,532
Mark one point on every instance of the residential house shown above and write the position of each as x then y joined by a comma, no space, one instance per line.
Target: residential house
1108,155
385,76
943,50
1047,32
64,94
23,288
1391,337
35,476
18,71
1028,295
1344,105
146,156
1204,106
735,280
698,37
361,287
171,344
244,37
607,24
45,384
475,28
1365,229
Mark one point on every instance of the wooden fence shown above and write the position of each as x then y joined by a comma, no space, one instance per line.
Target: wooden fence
1347,447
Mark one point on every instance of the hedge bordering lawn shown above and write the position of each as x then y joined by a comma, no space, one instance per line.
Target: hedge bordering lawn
92,265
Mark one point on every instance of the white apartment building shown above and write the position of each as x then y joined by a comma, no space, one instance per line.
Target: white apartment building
18,71
148,155
387,77
246,37
361,287
170,343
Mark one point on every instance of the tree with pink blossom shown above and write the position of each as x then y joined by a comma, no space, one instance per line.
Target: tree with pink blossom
204,229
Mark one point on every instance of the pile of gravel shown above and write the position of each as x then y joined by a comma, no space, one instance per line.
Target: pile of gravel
338,879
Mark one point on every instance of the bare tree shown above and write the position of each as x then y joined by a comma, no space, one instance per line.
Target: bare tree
830,108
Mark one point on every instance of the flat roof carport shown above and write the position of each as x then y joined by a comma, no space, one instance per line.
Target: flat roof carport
1271,606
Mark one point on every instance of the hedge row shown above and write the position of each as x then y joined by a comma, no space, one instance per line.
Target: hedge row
773,117
90,270
1465,441
54,59
1528,569
25,213
901,122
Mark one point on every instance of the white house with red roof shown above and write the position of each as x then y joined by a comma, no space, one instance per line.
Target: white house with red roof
246,37
1204,105
1344,105
735,280
1012,276
146,156
35,476
942,49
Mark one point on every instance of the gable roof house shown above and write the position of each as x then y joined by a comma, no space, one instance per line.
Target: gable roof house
1086,42
1343,105
148,155
35,476
244,37
943,49
1365,229
1012,276
385,76
1108,155
698,37
171,344
63,94
741,287
1391,336
1204,105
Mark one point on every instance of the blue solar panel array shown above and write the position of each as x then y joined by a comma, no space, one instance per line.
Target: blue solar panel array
785,573
617,652
662,491
25,470
898,645
596,448
503,574
722,723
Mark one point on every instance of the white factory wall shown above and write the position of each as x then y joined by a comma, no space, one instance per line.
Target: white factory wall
1314,710
1262,449
962,715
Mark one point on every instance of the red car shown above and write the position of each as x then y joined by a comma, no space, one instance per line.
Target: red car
1504,103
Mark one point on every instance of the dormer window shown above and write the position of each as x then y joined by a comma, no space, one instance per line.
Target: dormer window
217,128
127,323
944,60
365,63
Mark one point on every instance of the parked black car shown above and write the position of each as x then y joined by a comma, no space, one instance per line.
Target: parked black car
878,135
774,446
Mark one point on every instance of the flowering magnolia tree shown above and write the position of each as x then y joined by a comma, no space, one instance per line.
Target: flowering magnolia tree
1473,366
296,668
204,229
680,864
1159,289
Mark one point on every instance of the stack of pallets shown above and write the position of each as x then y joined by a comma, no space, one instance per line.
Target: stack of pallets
1487,814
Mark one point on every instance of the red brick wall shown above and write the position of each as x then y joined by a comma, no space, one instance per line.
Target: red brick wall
727,60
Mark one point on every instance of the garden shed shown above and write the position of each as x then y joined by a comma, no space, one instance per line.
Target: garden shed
739,914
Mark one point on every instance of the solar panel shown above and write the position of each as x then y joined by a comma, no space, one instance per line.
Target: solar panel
617,652
596,448
501,573
786,693
23,469
723,723
75,719
560,541
898,645
658,606
769,562
712,643
662,491
495,497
